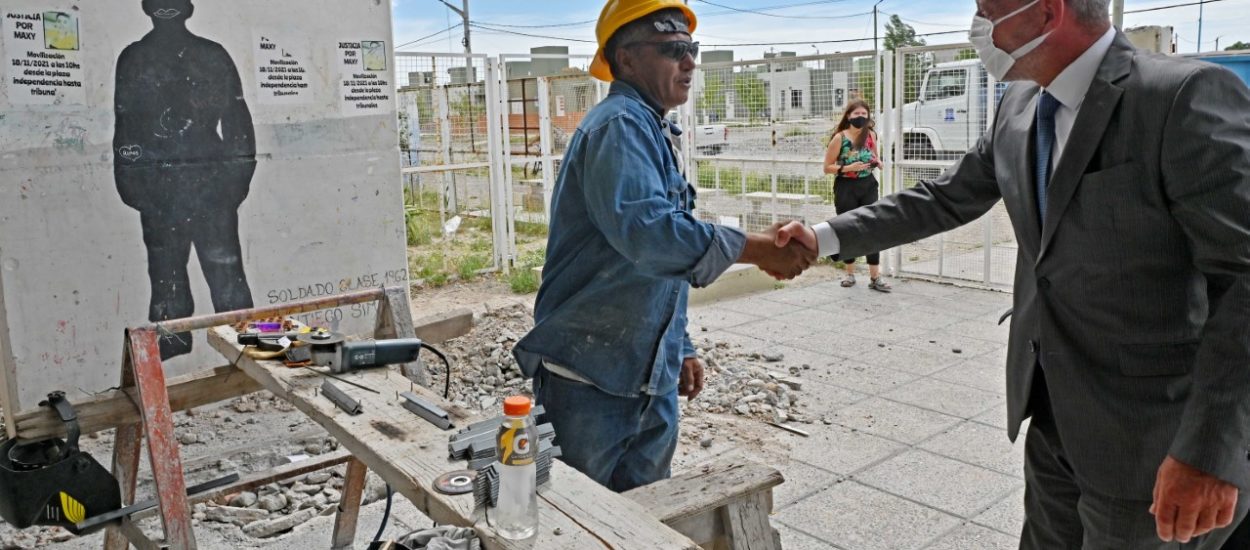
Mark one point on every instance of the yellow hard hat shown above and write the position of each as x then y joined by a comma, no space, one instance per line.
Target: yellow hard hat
617,14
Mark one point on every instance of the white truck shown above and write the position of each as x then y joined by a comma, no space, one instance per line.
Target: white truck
950,111
711,139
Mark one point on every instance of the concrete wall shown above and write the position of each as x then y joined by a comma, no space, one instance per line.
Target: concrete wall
121,174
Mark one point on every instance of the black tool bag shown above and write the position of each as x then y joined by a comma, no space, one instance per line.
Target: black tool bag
51,482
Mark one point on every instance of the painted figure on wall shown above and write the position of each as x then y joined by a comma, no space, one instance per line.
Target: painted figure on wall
184,152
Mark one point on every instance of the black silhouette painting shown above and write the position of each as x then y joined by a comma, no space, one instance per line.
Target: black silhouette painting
184,154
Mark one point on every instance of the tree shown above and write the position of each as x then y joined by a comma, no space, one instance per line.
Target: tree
966,53
1239,45
900,35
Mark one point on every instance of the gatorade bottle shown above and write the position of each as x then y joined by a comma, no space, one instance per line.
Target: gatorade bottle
515,515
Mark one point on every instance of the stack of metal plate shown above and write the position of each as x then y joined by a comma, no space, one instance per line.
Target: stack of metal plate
476,444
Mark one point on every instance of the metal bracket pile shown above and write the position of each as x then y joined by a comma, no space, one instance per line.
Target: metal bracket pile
476,444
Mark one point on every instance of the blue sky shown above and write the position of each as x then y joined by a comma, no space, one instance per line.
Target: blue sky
1229,20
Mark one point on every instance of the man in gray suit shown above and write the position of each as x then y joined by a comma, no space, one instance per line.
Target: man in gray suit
1127,178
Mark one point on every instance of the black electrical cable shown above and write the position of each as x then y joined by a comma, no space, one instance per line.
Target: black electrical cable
447,382
386,515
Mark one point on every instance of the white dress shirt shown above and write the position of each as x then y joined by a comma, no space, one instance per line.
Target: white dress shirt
1069,87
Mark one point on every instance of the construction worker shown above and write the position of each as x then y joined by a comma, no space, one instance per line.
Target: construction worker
609,354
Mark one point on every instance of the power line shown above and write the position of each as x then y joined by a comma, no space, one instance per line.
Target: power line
1173,6
766,14
428,36
548,26
566,39
802,42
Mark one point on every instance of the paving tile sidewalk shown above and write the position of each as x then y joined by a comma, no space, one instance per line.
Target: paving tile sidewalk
916,456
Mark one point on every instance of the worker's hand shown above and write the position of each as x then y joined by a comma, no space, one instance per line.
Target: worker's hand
691,382
1189,502
796,231
789,257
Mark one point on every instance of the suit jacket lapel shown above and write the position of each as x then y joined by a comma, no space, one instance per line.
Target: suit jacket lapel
1087,132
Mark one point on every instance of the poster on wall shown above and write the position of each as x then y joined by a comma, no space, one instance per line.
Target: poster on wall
163,159
42,61
282,70
366,86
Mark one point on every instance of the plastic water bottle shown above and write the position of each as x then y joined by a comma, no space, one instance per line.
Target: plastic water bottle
515,515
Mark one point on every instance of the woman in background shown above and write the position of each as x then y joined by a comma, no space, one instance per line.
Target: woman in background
852,156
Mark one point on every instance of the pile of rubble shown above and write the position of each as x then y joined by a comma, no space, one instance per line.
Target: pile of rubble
750,384
757,385
278,507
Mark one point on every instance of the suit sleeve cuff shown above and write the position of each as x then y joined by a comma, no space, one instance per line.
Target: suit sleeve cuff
727,245
826,240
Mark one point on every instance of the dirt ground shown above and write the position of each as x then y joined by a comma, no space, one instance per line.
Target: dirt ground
257,432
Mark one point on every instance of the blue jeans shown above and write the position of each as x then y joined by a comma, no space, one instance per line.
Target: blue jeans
619,442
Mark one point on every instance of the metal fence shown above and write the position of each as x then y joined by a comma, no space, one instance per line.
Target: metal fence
449,141
940,102
484,138
759,132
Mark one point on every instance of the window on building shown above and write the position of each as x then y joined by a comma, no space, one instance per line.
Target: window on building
796,99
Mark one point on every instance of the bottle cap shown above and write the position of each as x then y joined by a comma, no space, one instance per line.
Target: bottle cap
516,405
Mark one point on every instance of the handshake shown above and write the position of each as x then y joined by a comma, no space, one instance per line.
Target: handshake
783,251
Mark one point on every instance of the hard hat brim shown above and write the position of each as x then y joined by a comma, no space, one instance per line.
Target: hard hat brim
599,67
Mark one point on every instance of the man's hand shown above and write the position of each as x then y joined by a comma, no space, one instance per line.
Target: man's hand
796,231
1189,502
781,262
691,382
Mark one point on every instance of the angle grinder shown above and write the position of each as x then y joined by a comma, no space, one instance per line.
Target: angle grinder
331,349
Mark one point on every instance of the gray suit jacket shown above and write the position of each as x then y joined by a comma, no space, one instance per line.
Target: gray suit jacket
1135,295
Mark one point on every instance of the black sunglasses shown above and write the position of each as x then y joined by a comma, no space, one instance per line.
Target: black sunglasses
675,49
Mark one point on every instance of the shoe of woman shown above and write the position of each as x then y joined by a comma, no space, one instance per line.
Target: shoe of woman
879,285
848,282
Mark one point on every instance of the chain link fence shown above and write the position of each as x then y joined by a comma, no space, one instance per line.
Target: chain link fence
447,109
760,129
942,100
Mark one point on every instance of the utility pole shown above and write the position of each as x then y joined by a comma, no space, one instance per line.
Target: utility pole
1200,4
874,24
1117,14
464,14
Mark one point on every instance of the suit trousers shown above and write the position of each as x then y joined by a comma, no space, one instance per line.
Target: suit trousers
1061,513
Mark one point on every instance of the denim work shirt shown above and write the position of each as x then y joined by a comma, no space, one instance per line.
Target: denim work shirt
623,251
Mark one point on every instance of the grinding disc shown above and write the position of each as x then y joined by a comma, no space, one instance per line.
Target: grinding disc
456,482
319,338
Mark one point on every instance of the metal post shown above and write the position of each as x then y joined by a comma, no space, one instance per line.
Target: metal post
503,223
545,142
464,14
1117,14
1201,3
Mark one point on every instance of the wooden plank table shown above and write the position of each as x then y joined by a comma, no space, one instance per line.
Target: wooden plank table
409,453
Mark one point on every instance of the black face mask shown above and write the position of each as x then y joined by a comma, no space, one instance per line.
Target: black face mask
859,121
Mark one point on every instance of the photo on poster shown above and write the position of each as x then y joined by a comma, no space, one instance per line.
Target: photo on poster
374,52
60,31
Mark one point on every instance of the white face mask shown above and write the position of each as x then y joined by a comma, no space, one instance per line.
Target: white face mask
997,61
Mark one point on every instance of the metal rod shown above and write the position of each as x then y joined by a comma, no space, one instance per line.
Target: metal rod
115,515
343,380
231,317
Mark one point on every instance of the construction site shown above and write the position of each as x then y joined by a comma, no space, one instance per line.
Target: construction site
266,269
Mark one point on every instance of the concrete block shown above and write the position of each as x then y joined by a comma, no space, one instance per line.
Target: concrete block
268,528
445,326
738,280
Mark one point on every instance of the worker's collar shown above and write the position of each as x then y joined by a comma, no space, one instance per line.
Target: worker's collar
627,89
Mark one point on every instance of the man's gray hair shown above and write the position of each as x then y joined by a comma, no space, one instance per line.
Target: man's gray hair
637,30
1090,12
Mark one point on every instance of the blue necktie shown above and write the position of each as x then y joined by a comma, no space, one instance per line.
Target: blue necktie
1046,107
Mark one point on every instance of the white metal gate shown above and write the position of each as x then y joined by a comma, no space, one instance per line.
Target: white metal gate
940,103
759,130
450,146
